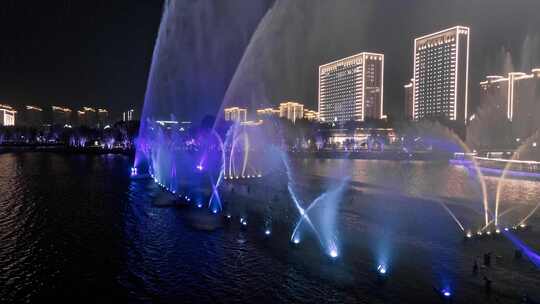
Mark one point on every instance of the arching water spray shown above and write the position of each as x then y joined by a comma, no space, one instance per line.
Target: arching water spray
480,176
232,169
528,216
452,215
246,154
500,215
325,232
217,206
506,169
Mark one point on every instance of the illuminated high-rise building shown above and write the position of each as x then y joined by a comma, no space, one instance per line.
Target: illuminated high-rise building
517,96
87,117
128,115
291,110
236,114
7,116
81,118
102,118
33,116
409,100
441,75
352,88
494,91
61,116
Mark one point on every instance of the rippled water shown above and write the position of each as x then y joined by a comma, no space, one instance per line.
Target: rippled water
77,226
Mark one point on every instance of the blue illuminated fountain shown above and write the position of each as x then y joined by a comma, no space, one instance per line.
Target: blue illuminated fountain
188,149
325,205
181,143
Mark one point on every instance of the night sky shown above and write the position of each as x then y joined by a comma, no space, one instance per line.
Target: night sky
98,52
77,53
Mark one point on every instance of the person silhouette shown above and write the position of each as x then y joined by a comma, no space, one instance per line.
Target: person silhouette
487,285
475,267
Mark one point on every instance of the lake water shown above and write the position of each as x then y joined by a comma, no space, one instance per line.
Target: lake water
76,226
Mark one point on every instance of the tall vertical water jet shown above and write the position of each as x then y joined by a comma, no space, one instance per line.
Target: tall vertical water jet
292,40
198,46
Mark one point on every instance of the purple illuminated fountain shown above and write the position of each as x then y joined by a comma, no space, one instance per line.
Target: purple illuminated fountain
179,145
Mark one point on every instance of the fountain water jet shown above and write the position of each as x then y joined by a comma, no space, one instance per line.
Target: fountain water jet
524,220
507,169
452,215
325,232
447,133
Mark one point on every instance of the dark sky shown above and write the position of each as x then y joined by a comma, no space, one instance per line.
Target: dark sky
303,34
77,53
98,52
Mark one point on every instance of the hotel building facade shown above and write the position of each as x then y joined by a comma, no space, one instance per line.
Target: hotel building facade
352,88
409,100
128,115
33,116
61,116
235,114
87,117
516,96
311,115
441,75
7,116
267,113
102,118
291,110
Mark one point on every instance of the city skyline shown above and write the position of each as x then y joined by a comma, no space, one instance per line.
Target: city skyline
32,88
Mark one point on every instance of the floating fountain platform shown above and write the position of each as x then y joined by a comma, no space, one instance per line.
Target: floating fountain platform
484,234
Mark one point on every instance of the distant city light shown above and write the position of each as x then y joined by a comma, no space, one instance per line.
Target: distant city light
235,114
7,115
512,161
